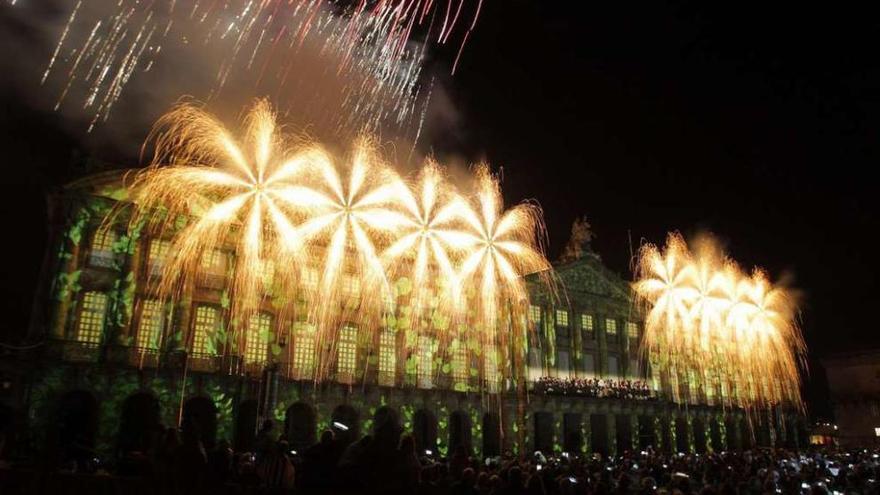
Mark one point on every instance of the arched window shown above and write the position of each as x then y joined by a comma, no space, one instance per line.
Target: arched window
491,435
138,423
200,418
90,325
150,324
300,425
257,341
425,431
246,426
459,431
344,422
76,425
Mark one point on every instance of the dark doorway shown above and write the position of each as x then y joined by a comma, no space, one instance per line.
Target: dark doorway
386,428
646,432
76,425
715,434
491,435
459,431
301,426
544,432
572,436
699,435
425,431
246,426
599,433
345,424
681,435
200,418
731,434
623,431
666,435
746,434
138,423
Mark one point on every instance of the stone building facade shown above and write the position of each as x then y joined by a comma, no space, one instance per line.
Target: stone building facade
854,384
96,375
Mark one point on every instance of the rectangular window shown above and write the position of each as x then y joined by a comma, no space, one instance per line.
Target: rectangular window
611,326
590,364
347,352
426,362
491,373
351,286
459,364
536,363
304,350
257,340
310,278
151,324
587,322
387,358
613,367
561,318
632,331
267,272
90,327
102,248
563,363
207,321
214,262
633,369
157,255
535,314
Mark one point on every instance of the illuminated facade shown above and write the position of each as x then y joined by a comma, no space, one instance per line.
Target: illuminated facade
112,347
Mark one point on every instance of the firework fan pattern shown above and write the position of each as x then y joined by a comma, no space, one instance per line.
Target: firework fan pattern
338,245
711,325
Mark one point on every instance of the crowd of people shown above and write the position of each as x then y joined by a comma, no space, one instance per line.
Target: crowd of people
388,461
594,387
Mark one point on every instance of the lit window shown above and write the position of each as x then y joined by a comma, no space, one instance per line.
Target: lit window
534,313
102,248
387,358
426,361
90,327
310,277
491,372
561,318
150,325
613,367
633,368
214,262
610,326
563,363
157,254
347,352
206,323
267,272
103,240
459,364
256,343
876,432
351,285
632,330
304,349
587,322
590,364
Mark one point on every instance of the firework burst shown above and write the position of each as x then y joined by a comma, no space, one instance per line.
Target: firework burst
367,60
707,319
310,240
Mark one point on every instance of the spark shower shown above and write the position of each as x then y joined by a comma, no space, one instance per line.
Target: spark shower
335,242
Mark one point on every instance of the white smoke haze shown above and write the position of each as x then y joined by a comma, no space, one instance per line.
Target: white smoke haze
118,66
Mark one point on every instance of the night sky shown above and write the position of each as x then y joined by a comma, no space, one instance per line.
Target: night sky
754,124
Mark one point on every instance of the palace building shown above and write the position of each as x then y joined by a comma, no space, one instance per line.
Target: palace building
109,363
